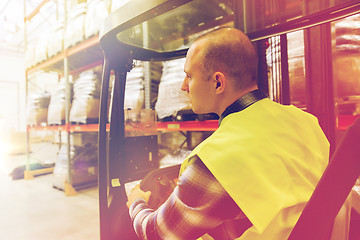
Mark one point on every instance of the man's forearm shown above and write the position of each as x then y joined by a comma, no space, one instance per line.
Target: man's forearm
141,215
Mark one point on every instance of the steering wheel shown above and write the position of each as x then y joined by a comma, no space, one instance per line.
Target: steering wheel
161,182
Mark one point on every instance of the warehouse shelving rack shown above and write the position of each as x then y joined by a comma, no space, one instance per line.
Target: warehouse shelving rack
78,58
73,60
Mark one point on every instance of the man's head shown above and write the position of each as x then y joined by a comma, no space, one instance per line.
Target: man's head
220,67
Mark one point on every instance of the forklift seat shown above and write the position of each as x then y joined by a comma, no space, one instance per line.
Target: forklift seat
322,218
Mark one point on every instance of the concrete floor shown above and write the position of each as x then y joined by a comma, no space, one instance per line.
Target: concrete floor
34,210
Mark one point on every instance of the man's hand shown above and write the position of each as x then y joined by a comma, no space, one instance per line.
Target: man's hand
137,193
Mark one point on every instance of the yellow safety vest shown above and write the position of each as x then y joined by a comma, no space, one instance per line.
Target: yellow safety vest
269,158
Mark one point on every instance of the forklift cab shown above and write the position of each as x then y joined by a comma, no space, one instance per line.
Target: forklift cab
157,30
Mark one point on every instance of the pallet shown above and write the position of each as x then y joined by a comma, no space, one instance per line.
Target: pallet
189,115
28,175
87,121
71,190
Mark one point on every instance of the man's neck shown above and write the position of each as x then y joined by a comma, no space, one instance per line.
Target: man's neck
243,102
233,97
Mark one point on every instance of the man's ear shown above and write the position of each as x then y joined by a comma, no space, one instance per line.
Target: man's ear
220,82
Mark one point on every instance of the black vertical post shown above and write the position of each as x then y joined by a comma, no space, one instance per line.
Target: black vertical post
102,158
319,78
285,83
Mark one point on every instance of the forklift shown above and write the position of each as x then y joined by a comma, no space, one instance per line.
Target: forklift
141,30
162,30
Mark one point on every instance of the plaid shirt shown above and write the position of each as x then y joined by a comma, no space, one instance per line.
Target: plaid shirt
198,204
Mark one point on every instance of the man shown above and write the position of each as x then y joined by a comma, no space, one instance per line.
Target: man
253,176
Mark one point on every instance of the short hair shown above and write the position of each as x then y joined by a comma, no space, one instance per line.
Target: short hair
234,56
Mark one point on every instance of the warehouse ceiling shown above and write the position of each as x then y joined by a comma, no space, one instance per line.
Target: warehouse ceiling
12,15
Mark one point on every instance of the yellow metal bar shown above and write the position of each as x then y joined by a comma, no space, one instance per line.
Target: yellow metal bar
69,189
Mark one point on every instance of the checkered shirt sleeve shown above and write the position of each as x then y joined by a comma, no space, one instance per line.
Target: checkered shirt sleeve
198,205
